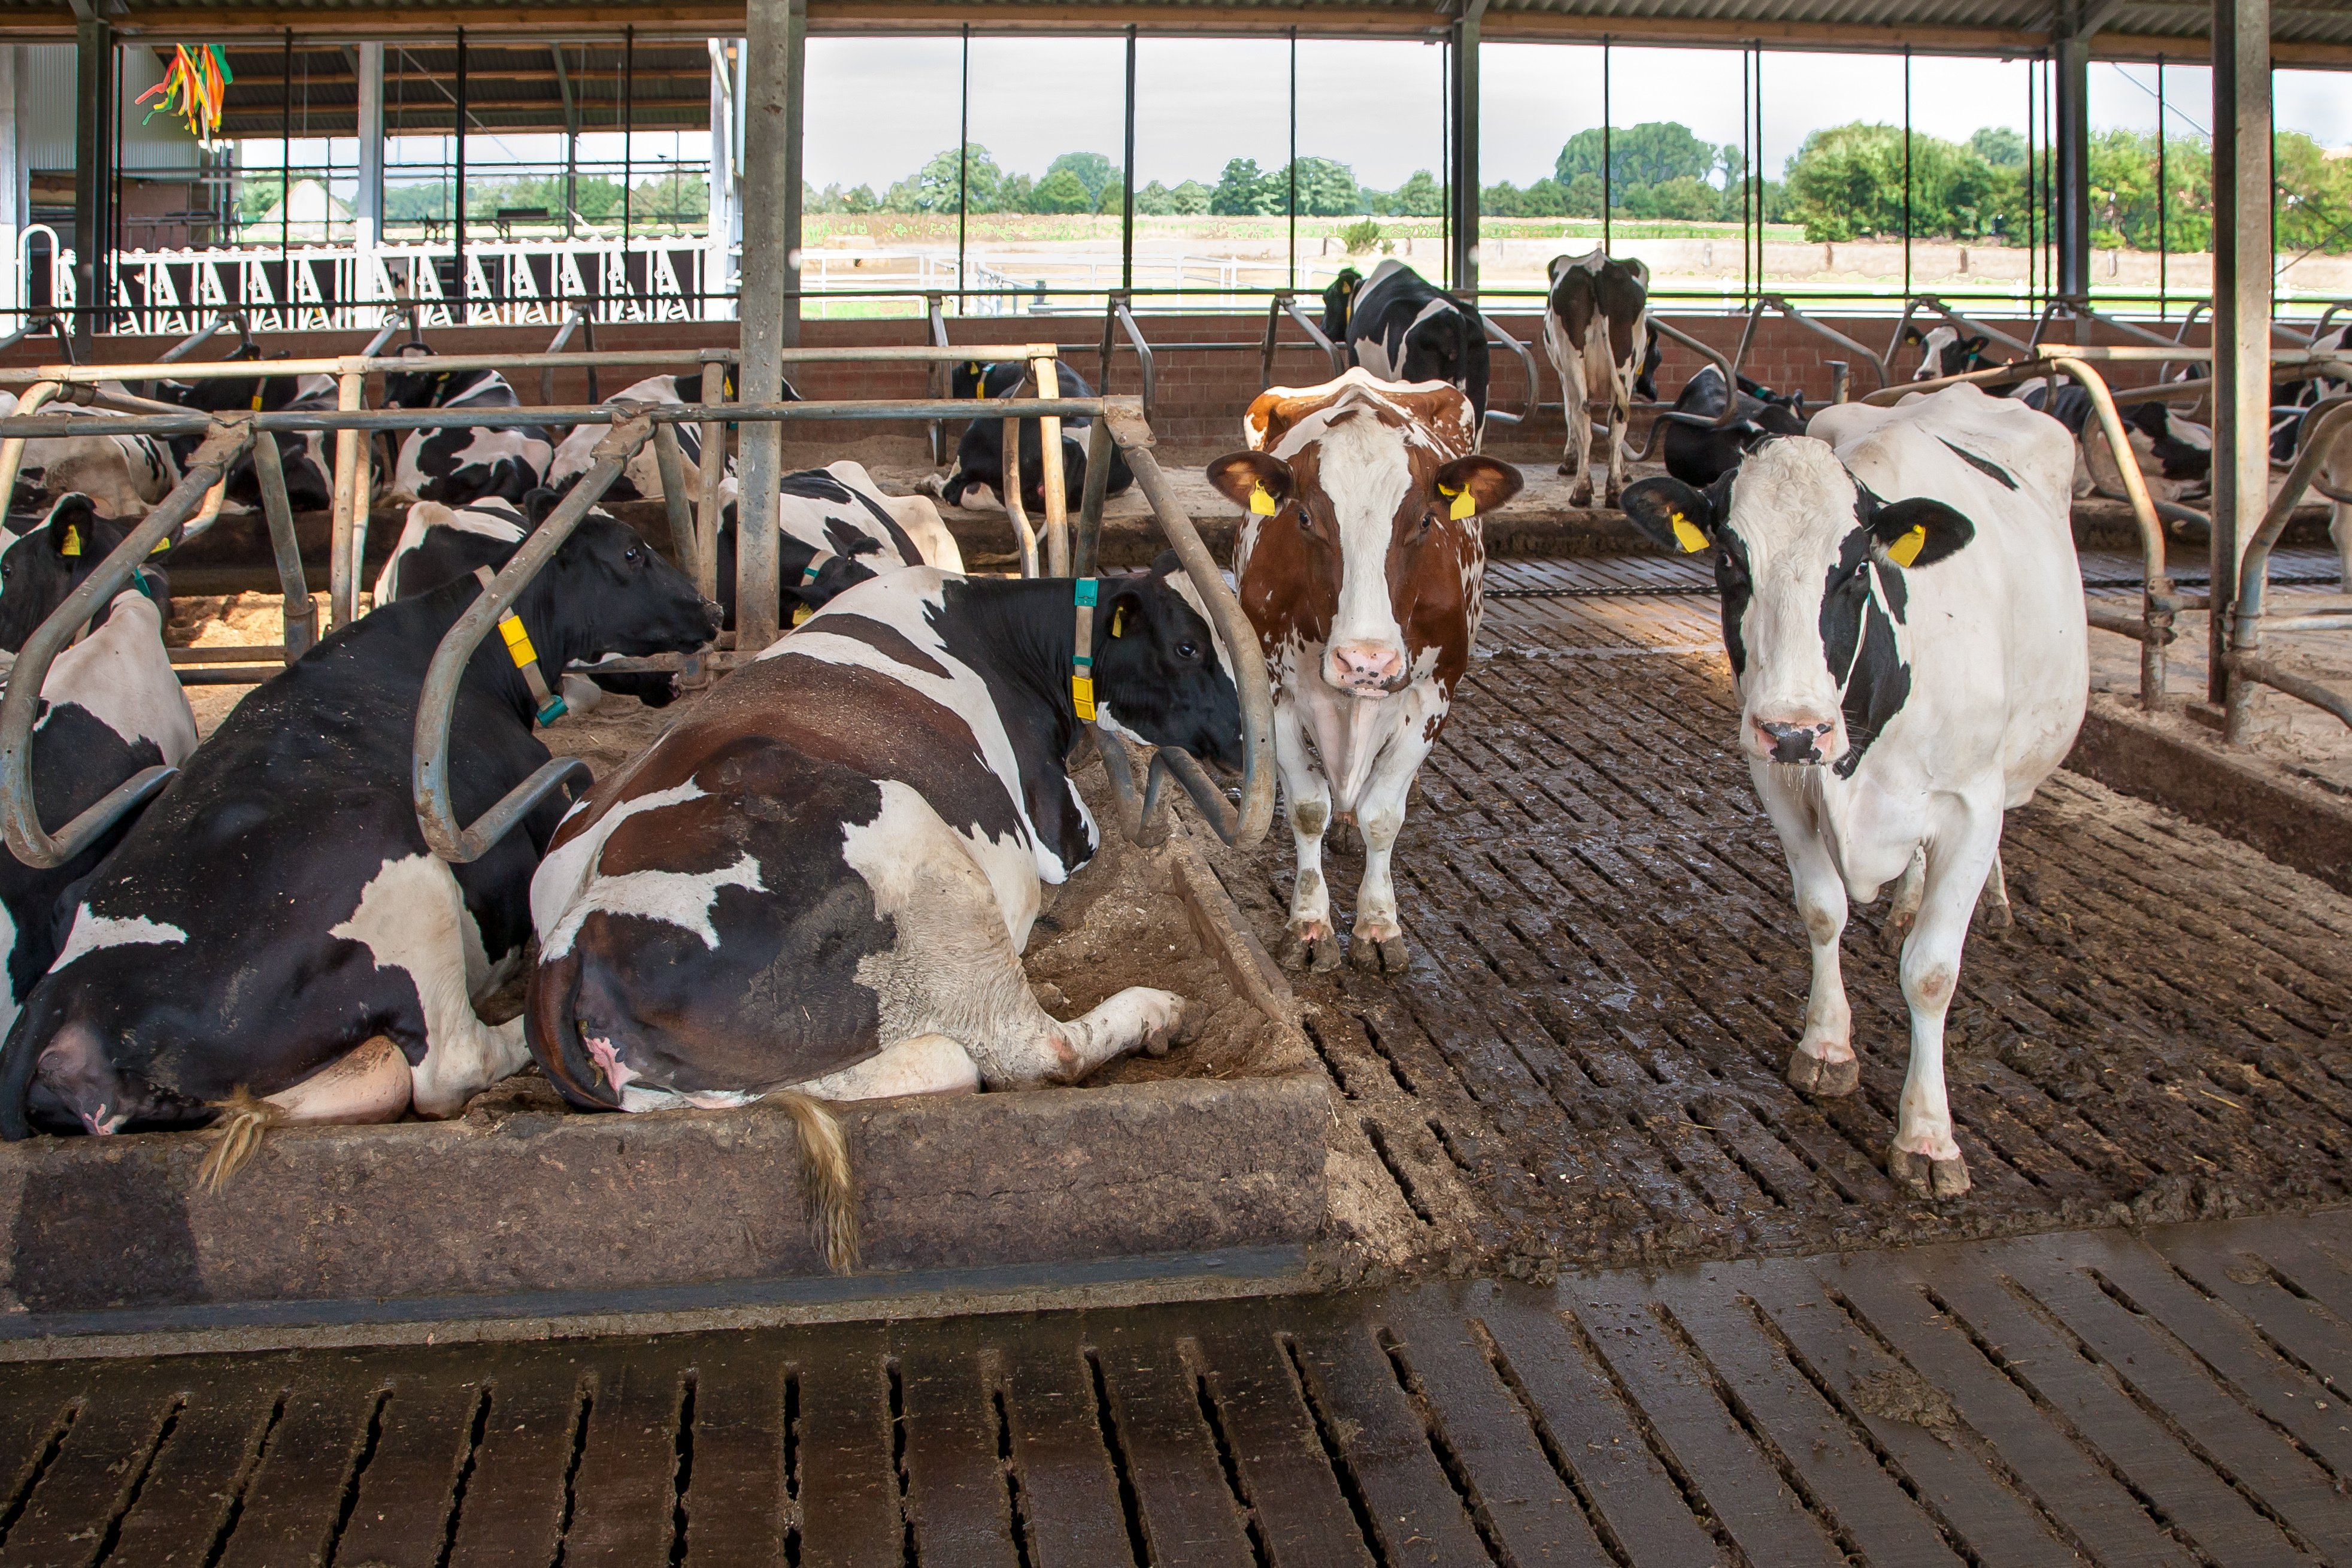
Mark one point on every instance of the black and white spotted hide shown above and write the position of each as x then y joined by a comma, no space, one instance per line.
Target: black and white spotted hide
980,454
457,463
1402,328
838,527
123,475
276,912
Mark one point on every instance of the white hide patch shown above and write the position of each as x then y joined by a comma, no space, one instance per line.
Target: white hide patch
94,932
120,675
427,515
677,898
569,865
1364,473
412,916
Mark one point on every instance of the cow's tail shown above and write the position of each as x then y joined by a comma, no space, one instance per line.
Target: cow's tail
236,1137
552,1029
827,1188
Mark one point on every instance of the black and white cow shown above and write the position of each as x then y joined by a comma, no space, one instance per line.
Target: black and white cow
1403,327
123,475
838,527
980,456
1903,615
2175,455
275,926
112,709
303,457
1597,332
456,464
640,476
819,884
1944,352
1698,451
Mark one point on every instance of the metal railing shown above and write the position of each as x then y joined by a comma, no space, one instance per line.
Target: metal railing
2327,421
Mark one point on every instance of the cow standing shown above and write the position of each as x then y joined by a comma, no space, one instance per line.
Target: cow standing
1402,328
1359,564
1904,614
1597,331
274,924
111,708
456,463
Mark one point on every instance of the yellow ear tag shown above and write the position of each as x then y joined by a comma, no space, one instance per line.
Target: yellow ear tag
1466,504
1686,535
1906,550
73,541
1118,622
801,612
1262,502
161,546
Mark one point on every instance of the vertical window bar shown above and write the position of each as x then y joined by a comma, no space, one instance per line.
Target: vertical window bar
1907,171
1445,162
458,193
1605,237
285,180
629,128
2163,196
963,164
1127,181
1294,157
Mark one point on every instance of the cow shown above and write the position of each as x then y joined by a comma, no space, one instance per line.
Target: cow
111,708
1402,328
640,476
275,926
2175,455
1697,451
818,885
1597,332
1903,615
980,456
1361,564
122,476
1944,352
460,462
302,456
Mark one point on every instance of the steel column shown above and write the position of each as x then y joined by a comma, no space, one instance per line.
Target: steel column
771,211
2242,302
1464,177
367,212
2071,49
94,135
457,200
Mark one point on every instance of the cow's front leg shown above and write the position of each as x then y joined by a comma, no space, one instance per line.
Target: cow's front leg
1924,1157
1823,1062
1378,941
1308,942
2340,528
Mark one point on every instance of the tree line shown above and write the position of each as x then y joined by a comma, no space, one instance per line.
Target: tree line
1845,182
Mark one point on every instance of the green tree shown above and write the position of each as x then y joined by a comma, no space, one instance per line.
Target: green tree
933,187
1684,198
1061,191
1846,181
1326,189
1095,172
1501,200
1545,199
1242,191
1419,197
1650,153
2001,146
2315,194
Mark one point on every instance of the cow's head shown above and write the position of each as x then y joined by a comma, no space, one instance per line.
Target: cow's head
1813,571
40,566
421,388
1646,384
1339,303
1944,352
1362,536
1162,676
606,591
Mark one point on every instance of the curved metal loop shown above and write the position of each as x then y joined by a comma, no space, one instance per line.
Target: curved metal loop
1674,334
436,704
2157,600
1495,334
12,451
20,822
1245,824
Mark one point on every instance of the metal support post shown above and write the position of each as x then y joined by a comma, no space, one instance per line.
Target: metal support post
367,211
2072,51
2242,303
713,474
771,214
1463,179
94,133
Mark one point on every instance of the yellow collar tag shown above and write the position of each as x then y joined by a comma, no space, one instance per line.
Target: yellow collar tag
1686,535
801,612
73,542
1464,504
519,647
257,402
1082,696
1262,502
1906,550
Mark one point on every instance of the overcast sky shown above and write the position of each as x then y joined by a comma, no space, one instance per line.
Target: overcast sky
1377,106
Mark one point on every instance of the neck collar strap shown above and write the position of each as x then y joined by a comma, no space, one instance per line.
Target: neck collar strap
525,657
1082,661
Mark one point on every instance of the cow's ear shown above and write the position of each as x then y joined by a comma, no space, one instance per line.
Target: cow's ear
538,503
1480,481
72,528
1976,345
1920,531
1256,480
1671,513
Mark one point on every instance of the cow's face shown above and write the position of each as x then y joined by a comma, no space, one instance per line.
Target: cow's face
1362,535
1943,352
1339,304
608,591
418,388
1813,568
39,568
1162,676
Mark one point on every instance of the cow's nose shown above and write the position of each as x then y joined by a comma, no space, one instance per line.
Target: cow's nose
1366,665
1793,742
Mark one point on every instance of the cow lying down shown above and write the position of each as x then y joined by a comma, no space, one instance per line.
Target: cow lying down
980,454
275,927
112,709
1904,614
456,463
838,527
818,885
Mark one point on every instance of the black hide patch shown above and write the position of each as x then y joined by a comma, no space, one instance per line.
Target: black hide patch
1858,644
1983,466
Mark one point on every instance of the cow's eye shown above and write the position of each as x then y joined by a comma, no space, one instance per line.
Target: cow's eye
1188,651
630,554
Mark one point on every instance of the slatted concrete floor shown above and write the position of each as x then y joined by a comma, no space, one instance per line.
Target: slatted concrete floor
2171,1398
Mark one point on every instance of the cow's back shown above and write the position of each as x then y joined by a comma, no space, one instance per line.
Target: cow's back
1998,644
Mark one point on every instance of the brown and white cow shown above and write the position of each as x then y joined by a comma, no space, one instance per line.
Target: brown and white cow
1359,564
1597,334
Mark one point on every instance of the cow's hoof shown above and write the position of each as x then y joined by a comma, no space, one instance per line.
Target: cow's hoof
1994,916
1386,956
1825,1079
1924,1176
1157,1042
1319,953
1565,469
